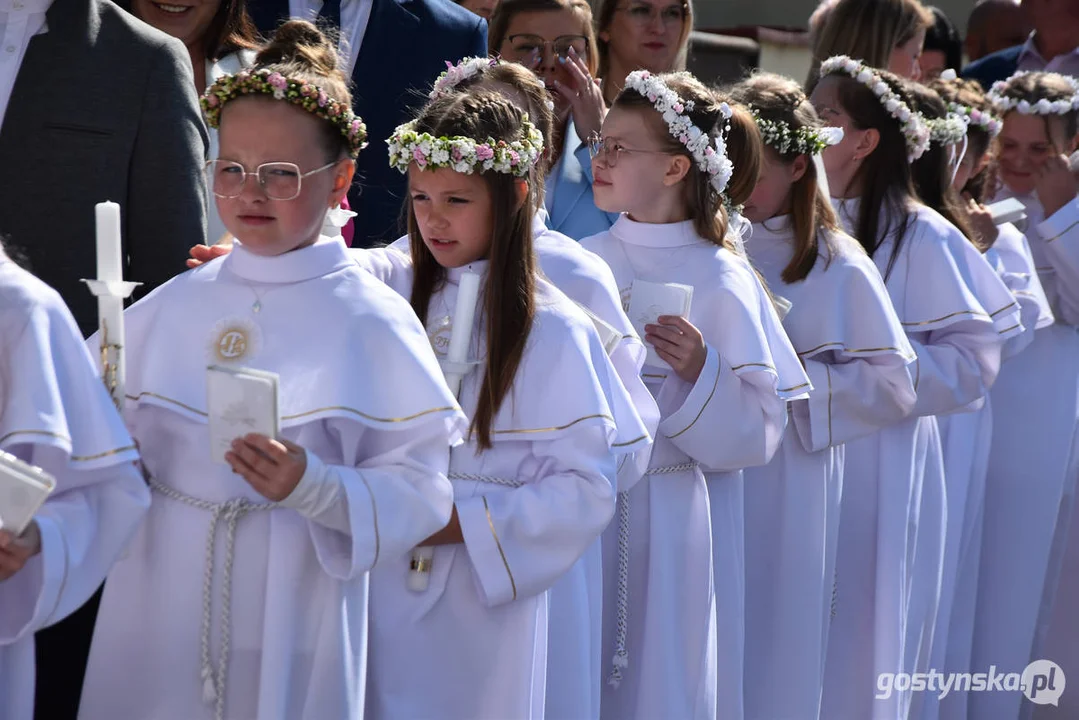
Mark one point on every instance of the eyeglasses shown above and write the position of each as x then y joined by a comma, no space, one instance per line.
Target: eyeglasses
524,45
279,180
608,150
643,15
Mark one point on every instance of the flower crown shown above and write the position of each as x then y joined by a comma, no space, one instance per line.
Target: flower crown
805,140
463,154
1004,104
709,153
454,75
911,123
978,118
949,130
301,93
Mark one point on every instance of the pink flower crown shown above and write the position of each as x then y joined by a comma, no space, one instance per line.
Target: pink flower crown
301,93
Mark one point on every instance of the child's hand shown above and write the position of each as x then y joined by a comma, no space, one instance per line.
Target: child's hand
1056,184
15,552
678,343
272,467
205,253
981,221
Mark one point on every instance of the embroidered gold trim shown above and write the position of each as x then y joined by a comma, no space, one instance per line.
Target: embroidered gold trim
602,416
627,443
1009,306
763,365
107,453
66,439
374,517
975,313
1009,329
828,372
849,350
706,401
136,398
792,389
654,375
44,433
1061,234
498,544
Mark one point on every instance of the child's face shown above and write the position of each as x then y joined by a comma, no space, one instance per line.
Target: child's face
969,166
453,212
904,59
839,160
262,130
772,194
1024,146
629,176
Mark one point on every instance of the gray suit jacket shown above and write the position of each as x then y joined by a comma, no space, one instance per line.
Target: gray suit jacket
104,108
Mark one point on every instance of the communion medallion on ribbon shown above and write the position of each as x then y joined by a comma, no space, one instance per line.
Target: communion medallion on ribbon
233,339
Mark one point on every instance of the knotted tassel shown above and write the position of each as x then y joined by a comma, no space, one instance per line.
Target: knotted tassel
620,660
209,687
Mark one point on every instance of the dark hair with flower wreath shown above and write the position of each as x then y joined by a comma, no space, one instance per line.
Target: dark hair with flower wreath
1034,87
932,172
969,95
299,65
781,100
508,301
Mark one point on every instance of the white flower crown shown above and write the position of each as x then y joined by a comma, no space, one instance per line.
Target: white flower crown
464,154
454,75
803,141
978,118
709,153
949,130
911,123
1004,104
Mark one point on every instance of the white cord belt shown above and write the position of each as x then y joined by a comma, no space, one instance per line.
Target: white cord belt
489,479
213,683
621,657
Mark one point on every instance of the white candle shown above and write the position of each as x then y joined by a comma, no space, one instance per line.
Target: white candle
109,267
464,313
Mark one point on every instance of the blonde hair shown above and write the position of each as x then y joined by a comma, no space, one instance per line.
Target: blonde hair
867,30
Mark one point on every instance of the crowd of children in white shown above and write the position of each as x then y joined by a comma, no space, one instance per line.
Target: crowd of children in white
796,420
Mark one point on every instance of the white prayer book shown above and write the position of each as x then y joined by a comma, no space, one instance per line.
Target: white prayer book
240,401
23,490
649,300
608,334
1008,210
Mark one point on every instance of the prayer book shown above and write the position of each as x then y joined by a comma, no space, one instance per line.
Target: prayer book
1008,210
240,401
649,300
23,490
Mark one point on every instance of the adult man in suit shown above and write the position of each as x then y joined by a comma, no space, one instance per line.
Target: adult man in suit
1052,47
94,105
397,48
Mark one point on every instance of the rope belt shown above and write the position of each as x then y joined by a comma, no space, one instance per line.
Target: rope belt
213,682
621,657
489,479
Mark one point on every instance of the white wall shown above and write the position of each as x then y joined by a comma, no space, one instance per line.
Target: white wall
792,13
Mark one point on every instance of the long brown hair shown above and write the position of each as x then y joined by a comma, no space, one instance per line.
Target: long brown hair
885,175
301,51
508,301
509,9
779,99
932,172
705,206
867,30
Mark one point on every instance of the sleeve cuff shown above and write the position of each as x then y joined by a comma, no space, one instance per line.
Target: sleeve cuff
38,586
685,417
494,578
813,417
1060,223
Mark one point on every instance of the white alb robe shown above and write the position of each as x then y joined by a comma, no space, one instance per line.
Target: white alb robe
55,414
1034,462
957,313
856,354
529,508
685,517
362,392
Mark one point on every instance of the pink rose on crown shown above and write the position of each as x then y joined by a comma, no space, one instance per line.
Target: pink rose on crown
322,98
419,157
484,152
514,157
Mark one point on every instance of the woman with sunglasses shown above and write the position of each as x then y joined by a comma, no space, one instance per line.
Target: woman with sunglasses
555,39
640,35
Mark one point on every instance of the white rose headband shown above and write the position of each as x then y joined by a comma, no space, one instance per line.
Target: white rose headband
984,121
467,69
1004,104
911,123
709,153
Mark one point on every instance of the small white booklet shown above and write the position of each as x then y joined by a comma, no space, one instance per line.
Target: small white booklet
1008,210
240,401
23,490
649,300
608,334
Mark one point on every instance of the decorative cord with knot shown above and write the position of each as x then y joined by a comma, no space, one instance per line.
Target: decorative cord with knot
489,479
621,656
213,683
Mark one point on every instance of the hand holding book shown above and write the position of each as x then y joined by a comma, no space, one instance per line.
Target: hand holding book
15,552
273,467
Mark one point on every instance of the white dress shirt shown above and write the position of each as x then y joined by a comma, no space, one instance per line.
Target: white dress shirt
20,20
354,17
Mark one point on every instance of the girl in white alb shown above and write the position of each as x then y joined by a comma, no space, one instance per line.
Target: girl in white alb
842,324
56,415
721,377
534,483
1034,461
953,308
244,595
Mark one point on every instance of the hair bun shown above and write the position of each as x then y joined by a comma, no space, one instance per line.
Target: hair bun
301,43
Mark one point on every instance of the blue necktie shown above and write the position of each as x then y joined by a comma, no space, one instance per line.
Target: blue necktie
331,13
